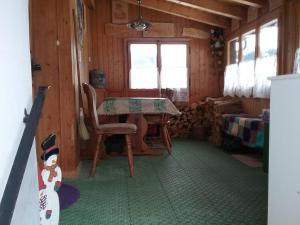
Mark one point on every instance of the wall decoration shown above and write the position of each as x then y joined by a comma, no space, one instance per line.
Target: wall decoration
217,45
49,183
119,12
160,30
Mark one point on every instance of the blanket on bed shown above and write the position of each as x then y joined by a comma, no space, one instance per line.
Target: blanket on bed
249,130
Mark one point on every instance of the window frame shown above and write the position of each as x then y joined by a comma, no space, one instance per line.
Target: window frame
159,42
262,25
268,18
229,50
157,64
255,32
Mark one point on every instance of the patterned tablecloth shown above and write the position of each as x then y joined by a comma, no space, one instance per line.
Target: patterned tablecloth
123,105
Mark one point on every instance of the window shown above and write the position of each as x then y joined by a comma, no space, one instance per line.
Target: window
143,68
234,48
268,39
173,66
248,46
249,76
246,66
266,63
159,65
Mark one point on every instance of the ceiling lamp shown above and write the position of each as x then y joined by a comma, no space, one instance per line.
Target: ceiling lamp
140,24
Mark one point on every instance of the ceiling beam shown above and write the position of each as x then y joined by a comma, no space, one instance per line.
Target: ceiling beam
212,6
185,12
253,3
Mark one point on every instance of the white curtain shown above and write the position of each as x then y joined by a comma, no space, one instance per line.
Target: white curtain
176,79
297,61
245,78
180,94
231,80
265,67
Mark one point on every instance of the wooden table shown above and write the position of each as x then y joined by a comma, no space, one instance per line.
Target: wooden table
136,108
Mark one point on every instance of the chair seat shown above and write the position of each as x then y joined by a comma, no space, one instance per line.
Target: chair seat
117,128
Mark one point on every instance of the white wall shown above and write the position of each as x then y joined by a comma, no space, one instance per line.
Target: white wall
15,95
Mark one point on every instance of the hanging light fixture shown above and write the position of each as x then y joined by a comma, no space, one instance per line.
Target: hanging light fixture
139,24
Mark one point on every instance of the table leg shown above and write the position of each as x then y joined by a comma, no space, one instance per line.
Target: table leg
138,142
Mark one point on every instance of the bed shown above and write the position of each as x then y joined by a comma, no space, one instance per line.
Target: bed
250,130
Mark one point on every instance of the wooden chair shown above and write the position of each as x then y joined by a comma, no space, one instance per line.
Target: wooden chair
100,131
162,121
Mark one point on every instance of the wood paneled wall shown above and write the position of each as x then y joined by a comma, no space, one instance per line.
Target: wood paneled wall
254,106
44,38
292,34
52,46
289,23
107,52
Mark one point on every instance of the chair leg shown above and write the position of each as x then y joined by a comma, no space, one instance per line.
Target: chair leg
96,156
166,139
91,144
129,153
103,149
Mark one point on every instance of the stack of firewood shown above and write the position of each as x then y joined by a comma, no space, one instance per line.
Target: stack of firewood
181,125
215,108
206,114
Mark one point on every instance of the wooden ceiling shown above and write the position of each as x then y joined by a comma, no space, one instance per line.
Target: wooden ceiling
213,12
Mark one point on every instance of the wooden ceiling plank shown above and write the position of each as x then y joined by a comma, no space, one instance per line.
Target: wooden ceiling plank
185,12
212,6
253,3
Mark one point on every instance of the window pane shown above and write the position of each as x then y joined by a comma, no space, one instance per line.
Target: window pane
234,47
173,66
143,72
174,78
143,78
248,46
268,39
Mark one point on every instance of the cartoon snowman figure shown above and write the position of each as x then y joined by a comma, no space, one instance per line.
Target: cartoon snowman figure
50,183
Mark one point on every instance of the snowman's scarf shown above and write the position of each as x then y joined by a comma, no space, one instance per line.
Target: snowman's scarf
52,171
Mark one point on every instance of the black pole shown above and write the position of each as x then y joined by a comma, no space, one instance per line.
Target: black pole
15,178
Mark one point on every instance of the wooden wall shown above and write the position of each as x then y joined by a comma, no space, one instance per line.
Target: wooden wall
292,33
52,46
107,52
287,12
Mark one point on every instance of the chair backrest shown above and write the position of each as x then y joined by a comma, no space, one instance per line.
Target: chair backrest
167,93
92,101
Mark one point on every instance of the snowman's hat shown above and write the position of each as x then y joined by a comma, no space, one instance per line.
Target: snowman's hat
49,148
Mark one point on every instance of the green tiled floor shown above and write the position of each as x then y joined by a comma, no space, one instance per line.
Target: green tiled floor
198,184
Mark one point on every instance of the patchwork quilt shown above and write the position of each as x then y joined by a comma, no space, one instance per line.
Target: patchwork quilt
249,130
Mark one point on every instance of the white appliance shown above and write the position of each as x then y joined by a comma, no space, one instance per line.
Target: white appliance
284,152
